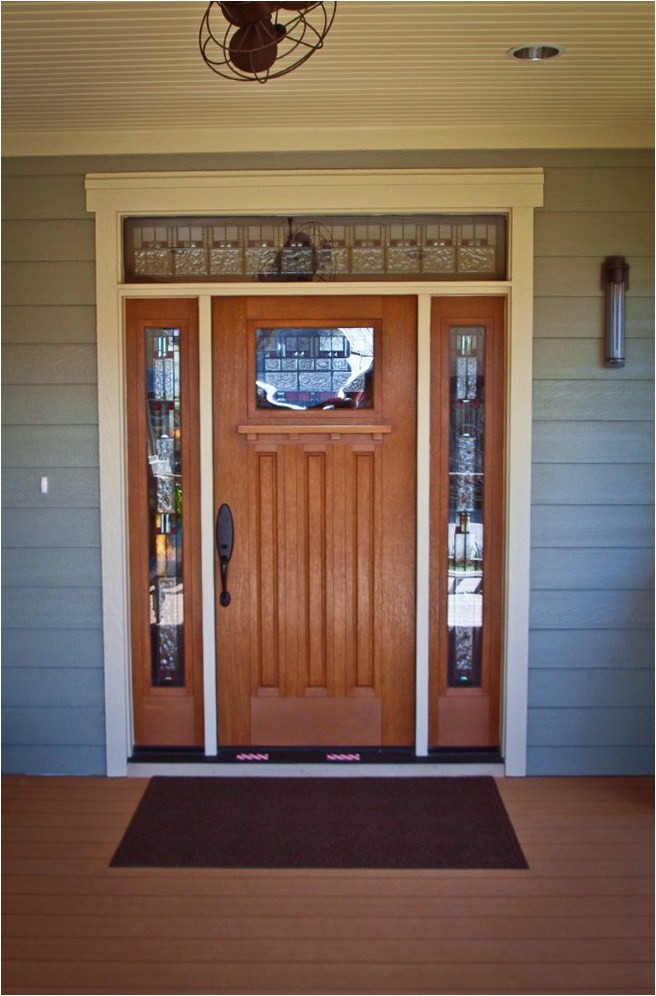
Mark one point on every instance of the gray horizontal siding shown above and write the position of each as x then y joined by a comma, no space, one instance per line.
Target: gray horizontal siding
35,404
68,487
601,441
579,276
41,686
619,759
43,324
606,401
564,569
589,688
591,726
58,607
593,484
53,682
591,647
571,649
54,760
61,527
41,726
30,647
50,240
581,609
583,318
571,527
46,364
592,573
574,359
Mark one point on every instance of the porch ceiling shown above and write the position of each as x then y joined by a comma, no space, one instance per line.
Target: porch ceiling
111,77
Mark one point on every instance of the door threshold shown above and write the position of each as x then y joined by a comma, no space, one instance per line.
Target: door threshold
314,761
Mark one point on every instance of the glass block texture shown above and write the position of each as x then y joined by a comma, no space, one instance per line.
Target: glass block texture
314,368
466,485
417,247
164,469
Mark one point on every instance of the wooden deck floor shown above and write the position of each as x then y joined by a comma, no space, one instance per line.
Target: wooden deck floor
579,921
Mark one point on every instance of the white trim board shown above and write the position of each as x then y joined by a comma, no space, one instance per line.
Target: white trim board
112,196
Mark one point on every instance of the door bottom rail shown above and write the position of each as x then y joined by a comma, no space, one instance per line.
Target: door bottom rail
316,755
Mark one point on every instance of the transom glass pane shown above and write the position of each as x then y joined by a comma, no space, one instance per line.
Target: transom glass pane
314,368
466,484
418,247
166,594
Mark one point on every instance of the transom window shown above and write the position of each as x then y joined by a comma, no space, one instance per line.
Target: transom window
417,247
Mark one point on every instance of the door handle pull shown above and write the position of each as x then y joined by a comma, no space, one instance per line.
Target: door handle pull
224,542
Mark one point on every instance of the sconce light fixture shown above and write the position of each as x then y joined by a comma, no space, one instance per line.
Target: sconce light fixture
614,282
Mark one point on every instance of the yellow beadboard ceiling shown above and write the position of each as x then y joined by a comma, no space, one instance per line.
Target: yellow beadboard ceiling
123,77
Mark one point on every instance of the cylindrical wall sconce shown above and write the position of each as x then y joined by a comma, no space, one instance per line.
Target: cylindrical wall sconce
614,281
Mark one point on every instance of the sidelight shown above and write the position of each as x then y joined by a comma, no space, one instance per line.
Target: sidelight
466,483
164,497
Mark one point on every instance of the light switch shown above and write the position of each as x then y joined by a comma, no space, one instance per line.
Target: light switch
44,485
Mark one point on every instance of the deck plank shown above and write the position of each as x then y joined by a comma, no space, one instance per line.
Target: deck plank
579,920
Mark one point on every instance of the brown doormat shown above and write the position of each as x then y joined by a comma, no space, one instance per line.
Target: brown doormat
358,822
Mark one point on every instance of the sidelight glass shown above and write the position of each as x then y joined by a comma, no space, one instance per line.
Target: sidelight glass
164,469
314,368
466,489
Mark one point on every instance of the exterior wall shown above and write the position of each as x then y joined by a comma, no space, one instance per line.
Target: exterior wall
591,620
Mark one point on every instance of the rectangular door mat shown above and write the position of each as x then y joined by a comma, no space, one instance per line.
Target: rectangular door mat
320,823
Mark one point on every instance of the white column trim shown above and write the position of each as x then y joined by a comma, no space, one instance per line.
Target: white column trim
206,418
423,524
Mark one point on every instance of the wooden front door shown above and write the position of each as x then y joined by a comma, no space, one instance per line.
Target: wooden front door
314,431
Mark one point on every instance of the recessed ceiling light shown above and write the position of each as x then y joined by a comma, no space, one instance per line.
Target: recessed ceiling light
534,53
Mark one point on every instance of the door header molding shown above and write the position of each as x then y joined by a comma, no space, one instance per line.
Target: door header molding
315,191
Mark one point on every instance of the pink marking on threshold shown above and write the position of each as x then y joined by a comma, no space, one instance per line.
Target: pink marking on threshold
252,757
342,757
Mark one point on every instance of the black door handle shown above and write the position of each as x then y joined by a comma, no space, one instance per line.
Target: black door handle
225,535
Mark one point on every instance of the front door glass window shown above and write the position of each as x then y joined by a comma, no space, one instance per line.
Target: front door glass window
314,368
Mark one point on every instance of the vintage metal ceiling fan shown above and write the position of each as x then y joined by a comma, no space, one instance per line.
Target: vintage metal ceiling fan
262,41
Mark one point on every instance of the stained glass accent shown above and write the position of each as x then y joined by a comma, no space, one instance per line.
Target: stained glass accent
466,477
417,247
166,589
317,368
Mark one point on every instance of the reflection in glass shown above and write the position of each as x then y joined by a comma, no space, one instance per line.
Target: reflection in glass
164,506
314,368
466,482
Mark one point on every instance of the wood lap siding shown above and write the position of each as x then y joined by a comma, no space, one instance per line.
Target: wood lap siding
592,527
52,681
591,642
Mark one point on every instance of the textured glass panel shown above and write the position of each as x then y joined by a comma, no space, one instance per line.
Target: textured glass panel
465,535
476,259
303,368
152,262
163,414
316,248
190,262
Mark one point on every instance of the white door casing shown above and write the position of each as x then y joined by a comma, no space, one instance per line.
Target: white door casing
113,196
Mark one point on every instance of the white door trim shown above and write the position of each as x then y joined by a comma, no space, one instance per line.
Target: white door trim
113,196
